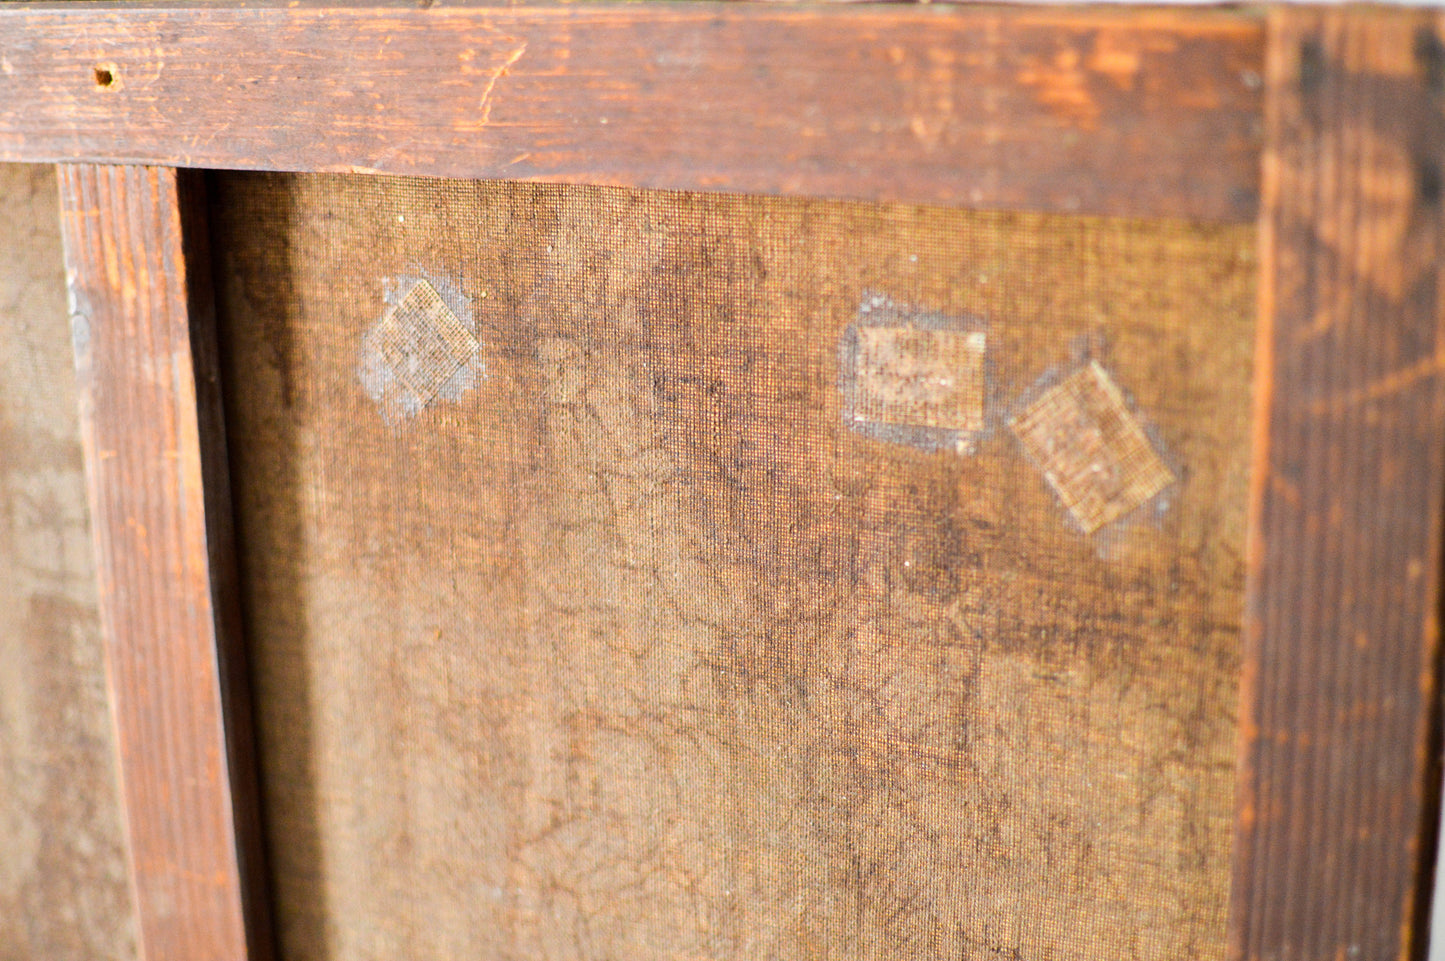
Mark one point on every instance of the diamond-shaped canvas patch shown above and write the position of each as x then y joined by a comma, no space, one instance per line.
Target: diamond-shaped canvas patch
423,342
1092,450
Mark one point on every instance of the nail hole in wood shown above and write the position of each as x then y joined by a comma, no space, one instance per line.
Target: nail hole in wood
104,77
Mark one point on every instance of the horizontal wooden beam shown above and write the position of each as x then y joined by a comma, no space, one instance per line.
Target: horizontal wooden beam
1153,113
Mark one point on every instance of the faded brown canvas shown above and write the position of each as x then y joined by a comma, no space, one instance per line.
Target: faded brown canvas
596,611
64,890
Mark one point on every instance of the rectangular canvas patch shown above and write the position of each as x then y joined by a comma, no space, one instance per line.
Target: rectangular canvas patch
920,378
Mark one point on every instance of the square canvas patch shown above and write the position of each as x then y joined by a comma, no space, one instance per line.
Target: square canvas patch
423,342
1092,449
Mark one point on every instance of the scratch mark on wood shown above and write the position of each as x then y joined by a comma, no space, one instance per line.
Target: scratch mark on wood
1382,387
498,74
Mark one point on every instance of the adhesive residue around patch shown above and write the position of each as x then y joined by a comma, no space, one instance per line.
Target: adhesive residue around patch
914,376
423,349
1091,448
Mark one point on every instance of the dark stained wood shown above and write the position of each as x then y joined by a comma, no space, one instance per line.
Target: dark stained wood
1140,113
1344,568
143,326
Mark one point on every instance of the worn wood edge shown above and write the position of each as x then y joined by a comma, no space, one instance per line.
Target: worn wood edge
137,261
1274,911
1135,152
223,559
1204,14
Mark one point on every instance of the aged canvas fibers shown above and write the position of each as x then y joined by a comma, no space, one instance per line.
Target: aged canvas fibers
64,891
587,622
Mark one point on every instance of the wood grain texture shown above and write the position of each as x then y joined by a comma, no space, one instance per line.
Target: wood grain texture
142,320
64,887
1139,113
1339,689
634,643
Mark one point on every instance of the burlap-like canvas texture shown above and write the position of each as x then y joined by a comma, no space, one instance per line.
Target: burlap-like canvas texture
624,592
